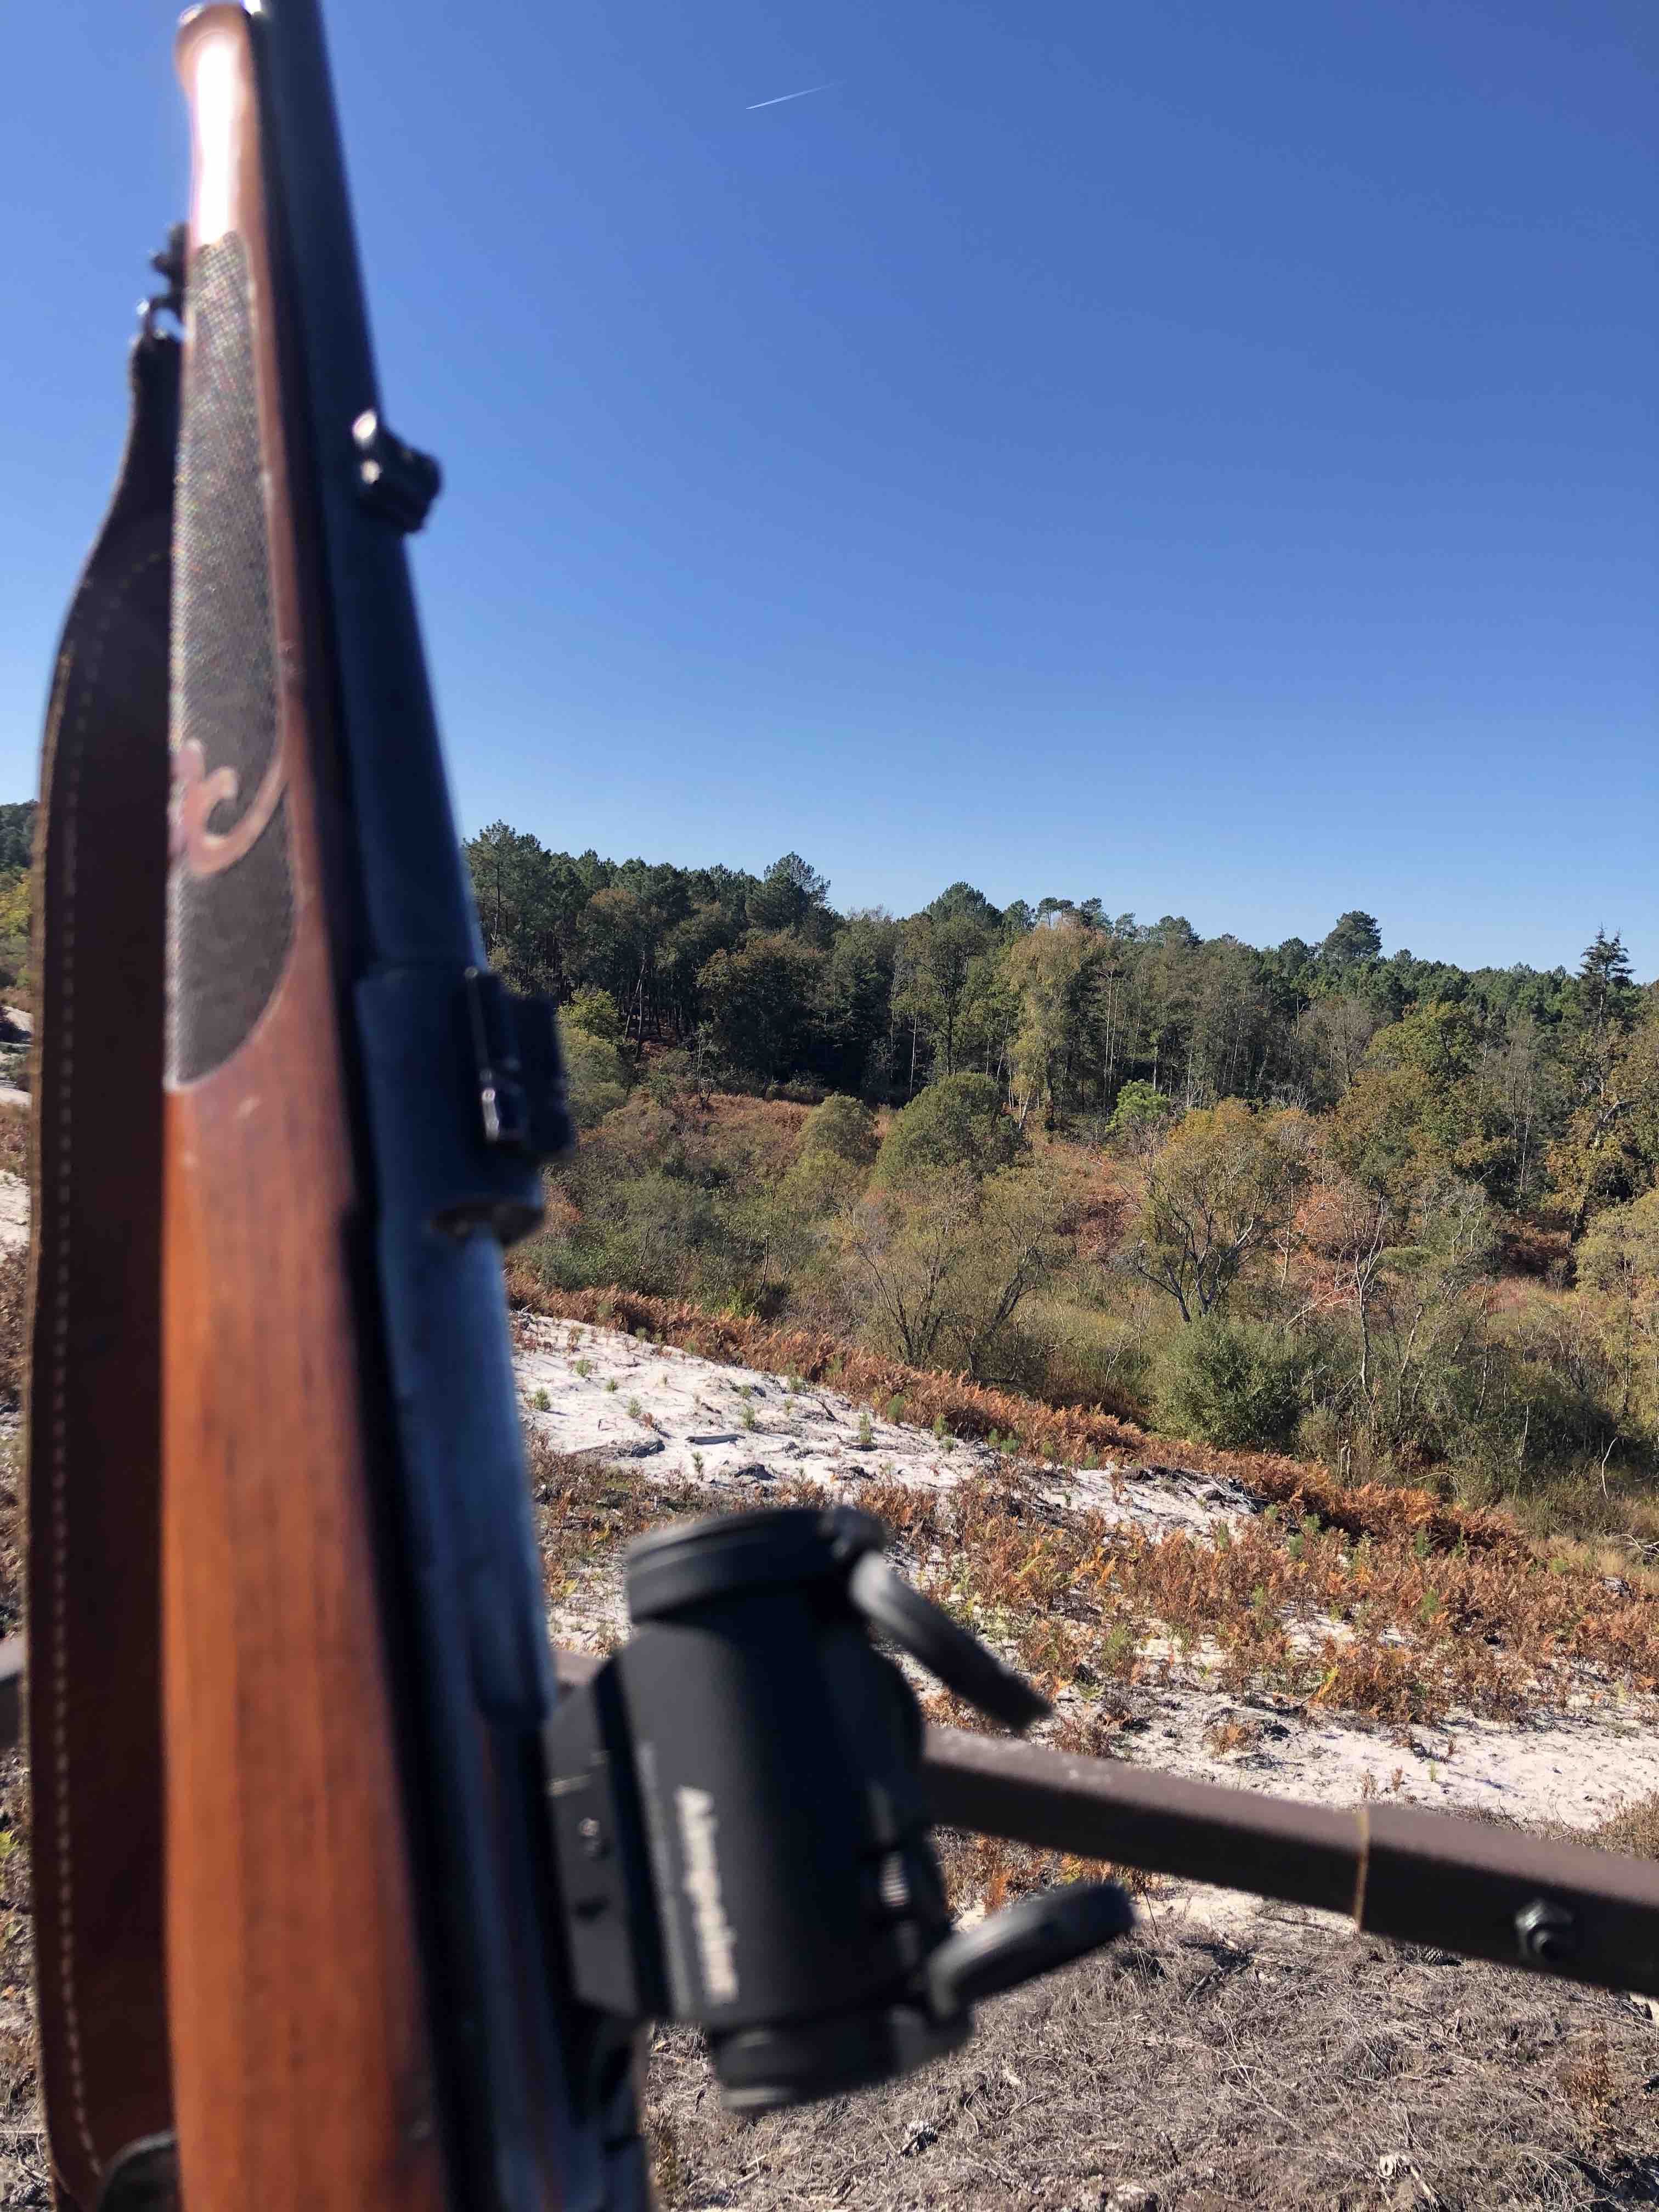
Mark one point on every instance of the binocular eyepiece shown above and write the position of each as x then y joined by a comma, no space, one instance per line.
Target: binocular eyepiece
738,1824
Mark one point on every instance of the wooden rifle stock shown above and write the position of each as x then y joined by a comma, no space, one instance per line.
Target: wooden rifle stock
302,2068
362,1961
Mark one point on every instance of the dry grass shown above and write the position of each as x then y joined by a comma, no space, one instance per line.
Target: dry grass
1590,2084
988,1872
1231,1735
1297,2070
1300,2069
1608,1557
774,1126
1193,2075
586,1509
1388,1627
1380,1627
1635,1831
16,1144
13,1326
12,1525
24,2172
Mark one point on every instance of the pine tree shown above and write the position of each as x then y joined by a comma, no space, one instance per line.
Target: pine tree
1355,942
1604,975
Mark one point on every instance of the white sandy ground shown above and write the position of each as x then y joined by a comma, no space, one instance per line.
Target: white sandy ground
672,1416
15,1055
700,1422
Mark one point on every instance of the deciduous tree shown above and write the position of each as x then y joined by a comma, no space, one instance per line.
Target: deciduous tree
1215,1193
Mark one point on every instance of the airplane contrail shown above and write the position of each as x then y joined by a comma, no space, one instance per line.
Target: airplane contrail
782,96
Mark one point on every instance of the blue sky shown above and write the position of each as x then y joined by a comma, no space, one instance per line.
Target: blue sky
1198,455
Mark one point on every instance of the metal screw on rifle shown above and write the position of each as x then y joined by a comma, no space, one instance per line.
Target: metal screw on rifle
395,481
593,1836
1548,1934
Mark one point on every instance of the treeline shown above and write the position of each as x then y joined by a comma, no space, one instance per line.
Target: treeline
16,835
16,853
1270,1196
1541,1086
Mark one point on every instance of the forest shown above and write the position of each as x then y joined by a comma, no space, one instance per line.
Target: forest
1087,1022
1384,1212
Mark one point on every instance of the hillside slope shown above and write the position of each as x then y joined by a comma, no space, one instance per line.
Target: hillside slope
679,1424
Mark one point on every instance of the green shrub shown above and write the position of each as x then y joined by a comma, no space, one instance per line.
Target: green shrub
671,1078
597,1014
822,1182
597,1074
1561,1419
1096,1358
1140,1112
939,1276
1534,1429
955,1123
1232,1382
843,1128
647,1234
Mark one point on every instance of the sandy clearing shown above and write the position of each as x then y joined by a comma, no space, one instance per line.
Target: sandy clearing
688,1419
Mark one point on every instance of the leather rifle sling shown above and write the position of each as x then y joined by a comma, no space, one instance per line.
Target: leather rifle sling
95,1712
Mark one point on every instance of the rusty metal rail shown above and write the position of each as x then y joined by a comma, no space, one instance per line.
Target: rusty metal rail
1485,1892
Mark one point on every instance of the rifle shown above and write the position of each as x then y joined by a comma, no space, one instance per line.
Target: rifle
337,1891
341,1114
